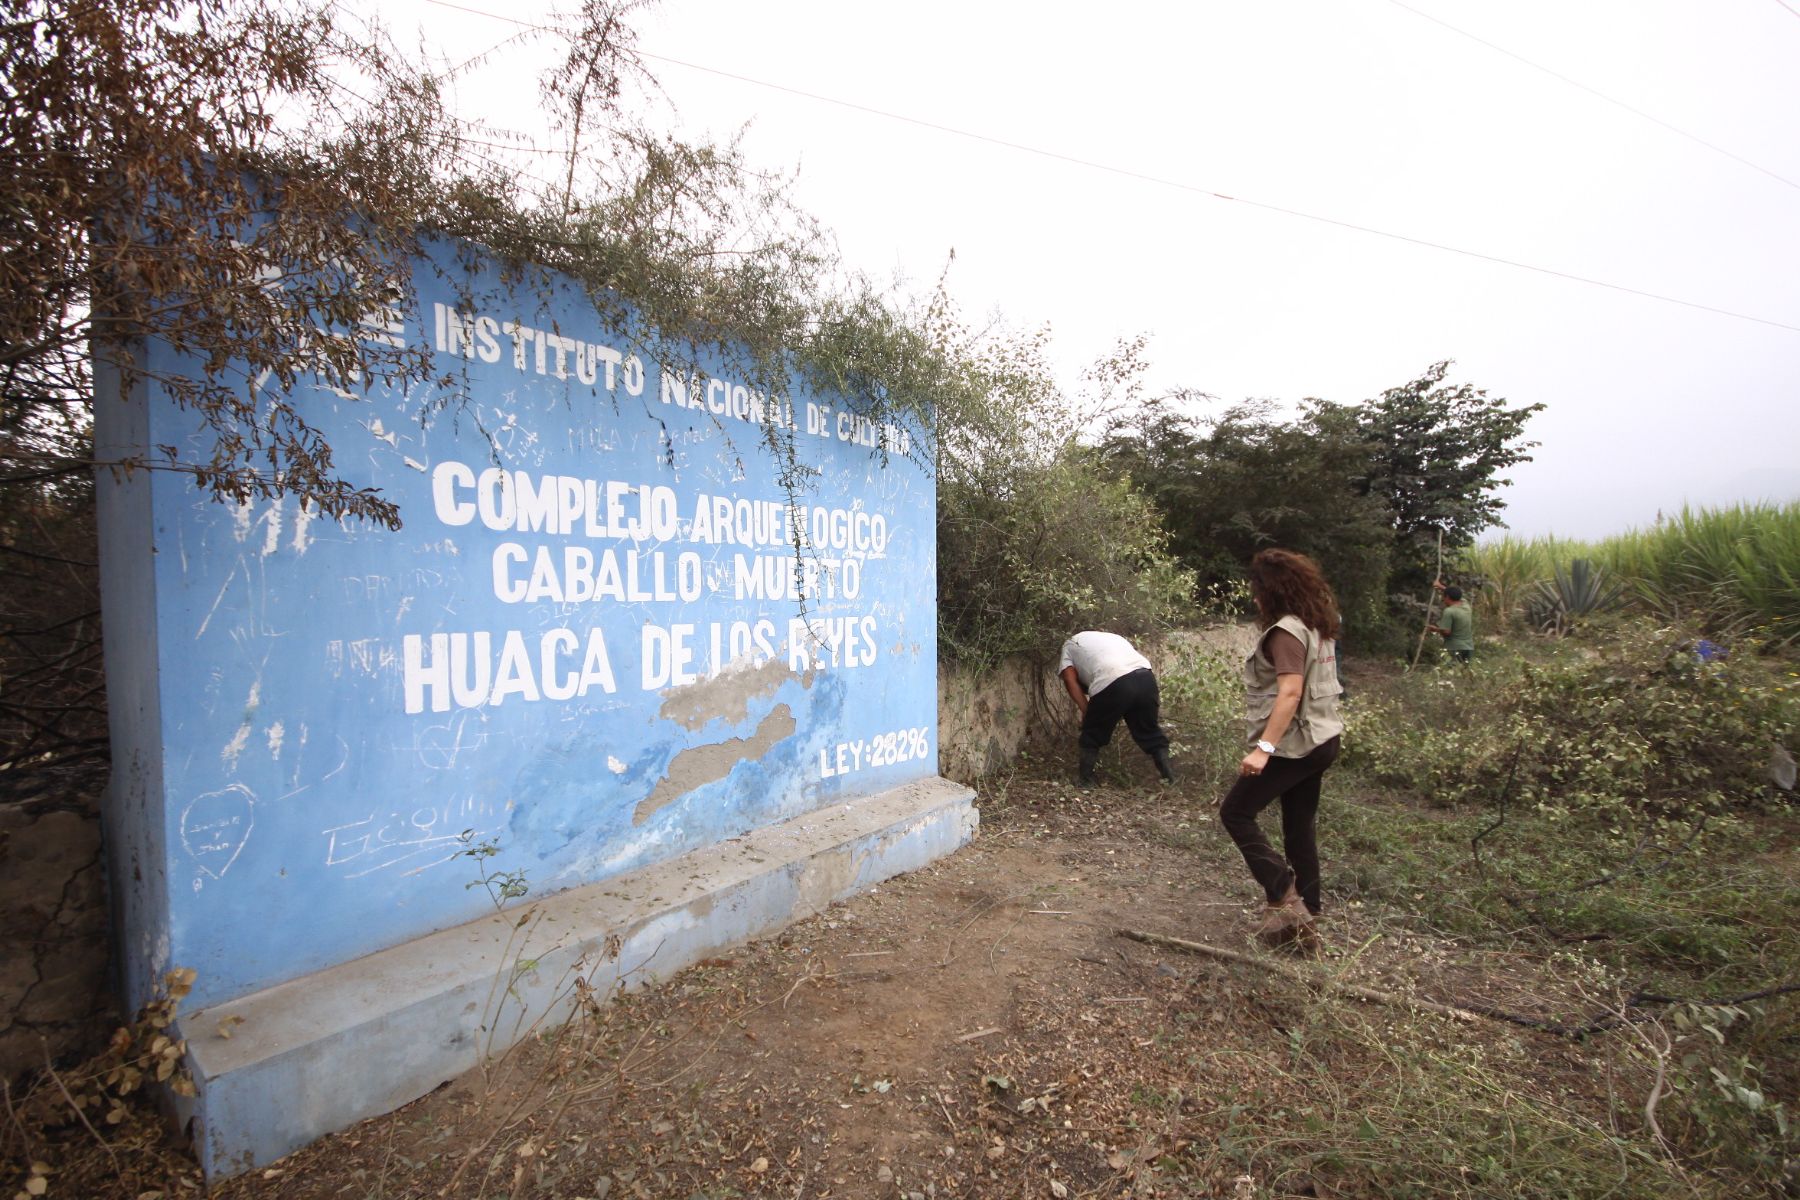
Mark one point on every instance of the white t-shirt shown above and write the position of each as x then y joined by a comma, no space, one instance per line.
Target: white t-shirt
1099,658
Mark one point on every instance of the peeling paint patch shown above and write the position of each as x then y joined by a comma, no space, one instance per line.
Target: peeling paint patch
240,739
272,540
414,463
614,765
618,856
382,435
702,765
727,695
302,519
276,734
235,747
240,519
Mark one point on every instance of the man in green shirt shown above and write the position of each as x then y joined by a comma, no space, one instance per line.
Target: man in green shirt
1458,628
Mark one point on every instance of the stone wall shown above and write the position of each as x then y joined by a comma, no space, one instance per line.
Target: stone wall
54,999
986,717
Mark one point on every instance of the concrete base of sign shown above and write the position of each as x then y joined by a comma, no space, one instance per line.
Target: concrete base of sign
279,1068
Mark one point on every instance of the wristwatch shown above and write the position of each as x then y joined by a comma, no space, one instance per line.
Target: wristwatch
1266,747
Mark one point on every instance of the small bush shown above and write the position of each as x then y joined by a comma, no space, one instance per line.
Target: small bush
1569,597
1203,705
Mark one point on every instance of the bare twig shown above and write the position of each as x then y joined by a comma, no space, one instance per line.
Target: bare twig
13,1115
1611,1019
1668,860
1512,770
74,562
50,1070
1783,989
1355,991
981,910
1660,1049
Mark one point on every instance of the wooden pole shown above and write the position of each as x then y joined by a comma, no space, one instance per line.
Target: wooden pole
1429,600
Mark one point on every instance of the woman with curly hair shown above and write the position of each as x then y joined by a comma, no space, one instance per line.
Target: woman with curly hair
1291,688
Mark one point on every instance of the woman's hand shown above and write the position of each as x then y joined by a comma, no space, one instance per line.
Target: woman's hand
1253,763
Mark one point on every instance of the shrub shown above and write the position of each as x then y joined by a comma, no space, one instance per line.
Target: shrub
1644,727
1203,704
1584,590
1037,537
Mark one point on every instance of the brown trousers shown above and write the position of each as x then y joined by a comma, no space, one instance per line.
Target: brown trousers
1294,782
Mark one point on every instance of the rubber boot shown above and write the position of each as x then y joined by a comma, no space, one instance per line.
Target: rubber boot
1089,760
1161,758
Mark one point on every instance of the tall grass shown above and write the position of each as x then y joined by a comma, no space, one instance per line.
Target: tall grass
1734,568
1510,567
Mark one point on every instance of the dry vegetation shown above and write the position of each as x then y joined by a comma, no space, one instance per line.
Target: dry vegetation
980,1028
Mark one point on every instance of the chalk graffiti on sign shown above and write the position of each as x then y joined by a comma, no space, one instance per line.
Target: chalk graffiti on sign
215,826
418,840
613,628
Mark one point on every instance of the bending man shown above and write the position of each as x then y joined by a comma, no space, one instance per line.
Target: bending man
1108,679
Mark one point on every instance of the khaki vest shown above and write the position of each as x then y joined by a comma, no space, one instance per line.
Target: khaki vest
1317,720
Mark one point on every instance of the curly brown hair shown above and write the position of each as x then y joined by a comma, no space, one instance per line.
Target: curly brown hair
1283,583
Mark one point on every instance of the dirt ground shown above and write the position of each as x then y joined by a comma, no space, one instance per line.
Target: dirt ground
977,1028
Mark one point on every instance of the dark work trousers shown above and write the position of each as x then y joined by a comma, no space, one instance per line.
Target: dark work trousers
1133,697
1295,782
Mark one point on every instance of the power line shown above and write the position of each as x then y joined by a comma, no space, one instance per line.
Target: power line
1613,100
1791,9
1197,190
494,16
1177,185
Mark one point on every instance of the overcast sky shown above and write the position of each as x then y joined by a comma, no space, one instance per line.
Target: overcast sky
1366,112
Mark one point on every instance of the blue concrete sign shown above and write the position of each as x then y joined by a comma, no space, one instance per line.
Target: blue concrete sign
607,635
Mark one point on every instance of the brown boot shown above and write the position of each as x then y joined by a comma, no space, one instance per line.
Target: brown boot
1283,920
1306,941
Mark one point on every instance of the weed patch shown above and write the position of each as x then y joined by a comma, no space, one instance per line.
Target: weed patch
1610,802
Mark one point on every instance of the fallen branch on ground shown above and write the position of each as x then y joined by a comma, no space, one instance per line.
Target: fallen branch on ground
1356,991
1460,1012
